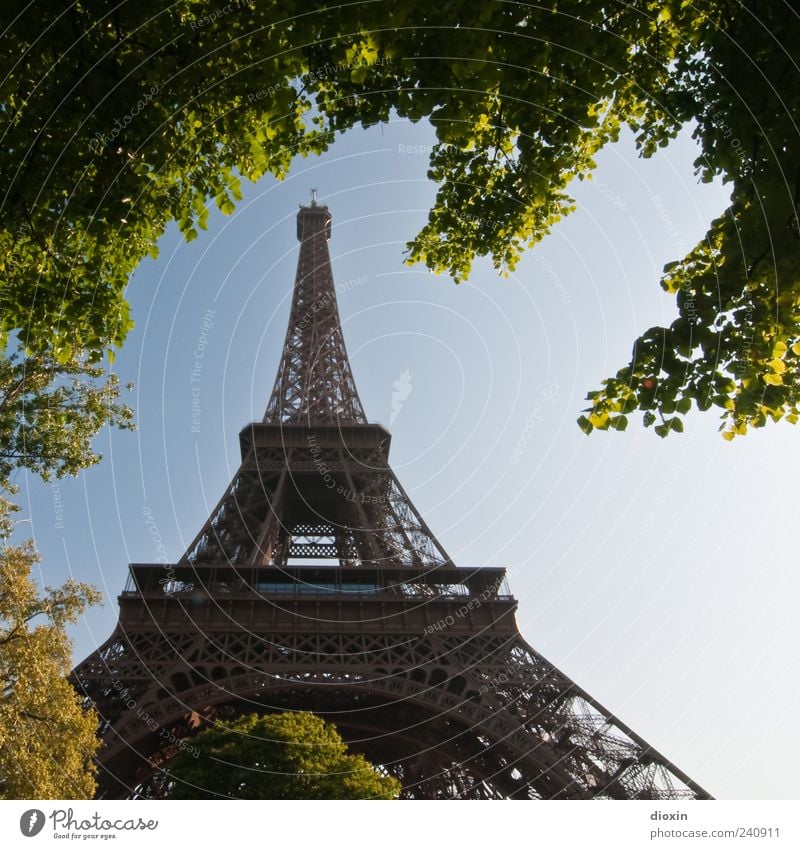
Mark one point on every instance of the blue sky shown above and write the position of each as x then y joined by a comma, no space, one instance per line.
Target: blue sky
658,574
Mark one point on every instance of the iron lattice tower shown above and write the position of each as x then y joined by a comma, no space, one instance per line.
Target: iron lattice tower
316,585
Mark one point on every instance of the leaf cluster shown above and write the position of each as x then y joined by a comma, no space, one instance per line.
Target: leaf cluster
47,736
50,412
120,119
275,756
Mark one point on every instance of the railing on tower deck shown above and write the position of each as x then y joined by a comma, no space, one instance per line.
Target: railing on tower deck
154,580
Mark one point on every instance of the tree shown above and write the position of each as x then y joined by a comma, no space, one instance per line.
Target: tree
120,119
47,738
49,413
277,756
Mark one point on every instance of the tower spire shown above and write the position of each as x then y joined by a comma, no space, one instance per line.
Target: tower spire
315,383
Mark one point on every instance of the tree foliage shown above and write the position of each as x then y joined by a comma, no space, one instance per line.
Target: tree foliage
47,738
122,117
277,756
50,411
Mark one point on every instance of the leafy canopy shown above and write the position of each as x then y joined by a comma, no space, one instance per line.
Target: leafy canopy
277,756
47,738
121,118
49,413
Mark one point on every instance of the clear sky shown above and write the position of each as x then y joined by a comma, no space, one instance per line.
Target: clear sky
659,575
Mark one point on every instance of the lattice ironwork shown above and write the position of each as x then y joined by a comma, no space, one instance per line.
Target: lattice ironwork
315,382
325,480
419,663
467,709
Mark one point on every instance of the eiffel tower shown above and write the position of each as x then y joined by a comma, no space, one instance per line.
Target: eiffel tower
316,585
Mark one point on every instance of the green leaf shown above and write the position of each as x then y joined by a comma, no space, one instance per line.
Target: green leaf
599,420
